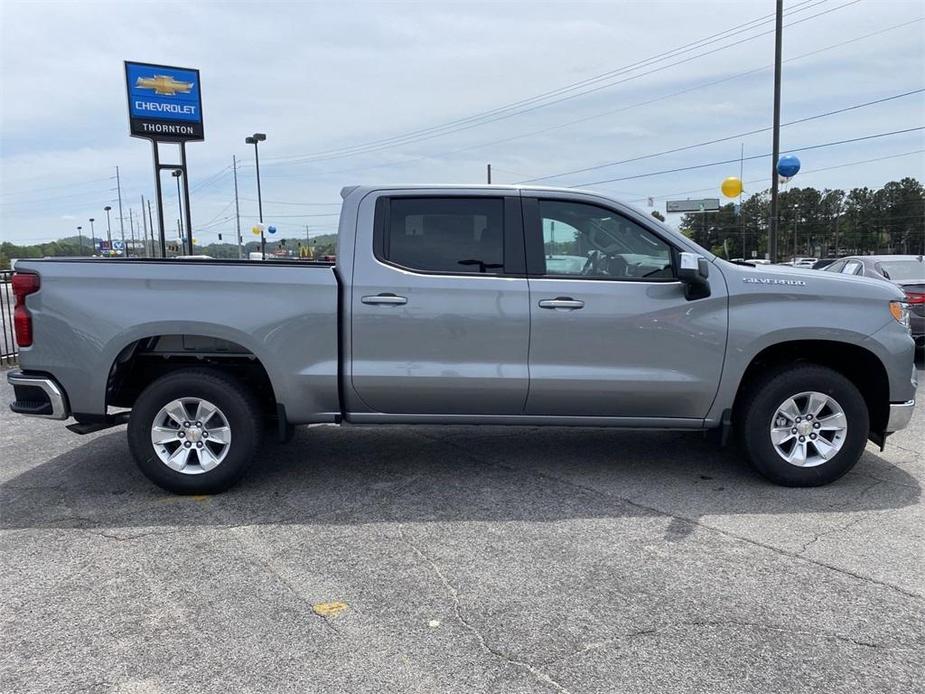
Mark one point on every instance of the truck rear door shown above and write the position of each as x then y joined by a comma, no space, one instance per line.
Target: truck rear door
440,315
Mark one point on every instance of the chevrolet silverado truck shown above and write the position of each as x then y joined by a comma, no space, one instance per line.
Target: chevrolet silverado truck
466,305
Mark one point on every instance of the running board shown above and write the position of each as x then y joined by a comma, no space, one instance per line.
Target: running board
110,420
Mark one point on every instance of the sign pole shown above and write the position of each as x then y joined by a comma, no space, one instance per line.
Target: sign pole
160,200
189,223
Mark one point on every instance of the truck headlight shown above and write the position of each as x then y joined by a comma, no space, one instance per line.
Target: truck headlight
900,311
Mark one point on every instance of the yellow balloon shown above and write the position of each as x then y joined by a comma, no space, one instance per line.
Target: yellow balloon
731,187
255,230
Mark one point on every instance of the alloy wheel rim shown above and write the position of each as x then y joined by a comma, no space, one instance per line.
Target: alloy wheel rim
808,429
191,435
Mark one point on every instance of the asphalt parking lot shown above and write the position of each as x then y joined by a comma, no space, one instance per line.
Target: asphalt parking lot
459,559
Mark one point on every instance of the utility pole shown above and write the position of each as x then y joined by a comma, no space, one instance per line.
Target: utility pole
151,226
131,226
778,44
144,225
742,216
121,218
488,171
237,207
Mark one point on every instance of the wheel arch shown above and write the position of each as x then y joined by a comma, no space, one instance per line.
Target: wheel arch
859,365
148,357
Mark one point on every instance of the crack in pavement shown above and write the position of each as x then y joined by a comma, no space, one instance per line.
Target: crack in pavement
696,522
843,526
468,625
720,623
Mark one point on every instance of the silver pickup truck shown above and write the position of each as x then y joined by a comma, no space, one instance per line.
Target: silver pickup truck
466,305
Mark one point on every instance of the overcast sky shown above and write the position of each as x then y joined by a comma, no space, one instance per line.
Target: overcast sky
325,80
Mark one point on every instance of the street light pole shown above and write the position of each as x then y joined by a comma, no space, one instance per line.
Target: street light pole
177,173
80,241
92,235
108,227
253,140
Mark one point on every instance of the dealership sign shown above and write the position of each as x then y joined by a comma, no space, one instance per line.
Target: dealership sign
164,103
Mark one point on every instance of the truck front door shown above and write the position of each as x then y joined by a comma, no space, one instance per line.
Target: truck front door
440,316
612,332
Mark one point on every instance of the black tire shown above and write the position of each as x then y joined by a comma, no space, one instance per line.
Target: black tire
760,406
237,404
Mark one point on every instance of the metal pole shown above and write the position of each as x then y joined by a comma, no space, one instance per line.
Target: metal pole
237,208
108,227
121,218
488,169
144,225
179,203
778,44
80,241
92,234
189,221
742,216
263,240
151,227
159,194
131,226
836,234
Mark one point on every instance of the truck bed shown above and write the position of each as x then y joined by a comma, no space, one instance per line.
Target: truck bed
282,313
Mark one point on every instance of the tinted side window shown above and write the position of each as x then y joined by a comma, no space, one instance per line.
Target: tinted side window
588,241
836,266
458,235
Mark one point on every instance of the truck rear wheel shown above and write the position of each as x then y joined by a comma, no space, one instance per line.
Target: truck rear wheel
804,426
194,431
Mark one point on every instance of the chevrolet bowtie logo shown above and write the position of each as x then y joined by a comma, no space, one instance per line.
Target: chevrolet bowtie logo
164,85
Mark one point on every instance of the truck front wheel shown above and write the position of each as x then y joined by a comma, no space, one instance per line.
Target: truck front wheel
803,426
194,431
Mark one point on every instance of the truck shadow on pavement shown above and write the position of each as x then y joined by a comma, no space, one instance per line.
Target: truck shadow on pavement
355,475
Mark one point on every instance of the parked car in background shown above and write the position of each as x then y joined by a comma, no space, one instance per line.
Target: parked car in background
800,261
905,271
823,263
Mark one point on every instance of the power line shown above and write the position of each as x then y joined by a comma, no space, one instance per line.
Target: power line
283,216
756,156
724,139
803,173
488,117
522,135
55,187
288,202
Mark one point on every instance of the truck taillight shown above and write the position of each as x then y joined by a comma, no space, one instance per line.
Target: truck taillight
23,284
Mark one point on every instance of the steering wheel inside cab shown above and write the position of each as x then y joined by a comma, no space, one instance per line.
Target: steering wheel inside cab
600,264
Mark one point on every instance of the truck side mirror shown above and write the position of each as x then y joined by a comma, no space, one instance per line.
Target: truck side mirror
694,273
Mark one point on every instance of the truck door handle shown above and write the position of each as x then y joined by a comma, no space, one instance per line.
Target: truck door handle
392,299
566,302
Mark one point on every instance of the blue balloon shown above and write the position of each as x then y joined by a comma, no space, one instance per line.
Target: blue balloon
272,230
788,166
